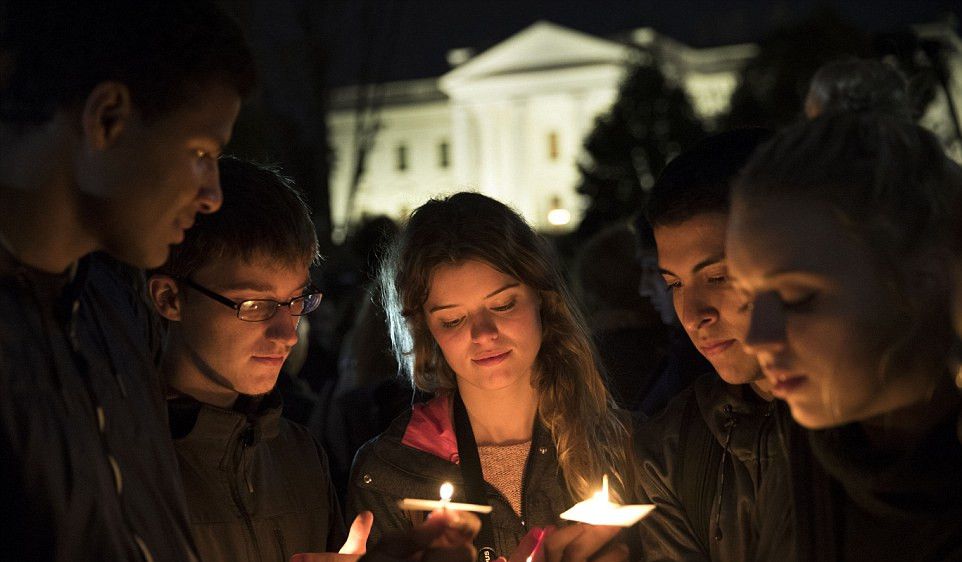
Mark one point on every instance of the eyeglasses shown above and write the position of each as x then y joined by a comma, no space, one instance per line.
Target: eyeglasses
258,310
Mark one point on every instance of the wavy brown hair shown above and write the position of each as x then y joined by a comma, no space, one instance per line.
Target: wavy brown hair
589,431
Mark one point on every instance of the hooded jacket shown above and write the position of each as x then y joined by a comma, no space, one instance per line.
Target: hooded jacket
258,486
418,452
87,469
702,462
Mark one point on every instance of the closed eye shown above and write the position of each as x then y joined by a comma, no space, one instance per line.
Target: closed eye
452,323
672,285
503,308
802,304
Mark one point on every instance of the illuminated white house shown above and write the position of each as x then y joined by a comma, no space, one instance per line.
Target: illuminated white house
508,122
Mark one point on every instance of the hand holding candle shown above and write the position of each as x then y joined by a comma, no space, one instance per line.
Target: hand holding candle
445,503
600,510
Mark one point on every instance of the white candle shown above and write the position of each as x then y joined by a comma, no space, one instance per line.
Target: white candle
446,492
600,510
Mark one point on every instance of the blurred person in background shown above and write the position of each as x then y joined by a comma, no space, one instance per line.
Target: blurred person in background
856,85
628,333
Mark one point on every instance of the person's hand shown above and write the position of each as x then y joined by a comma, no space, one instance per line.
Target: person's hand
446,536
356,542
579,543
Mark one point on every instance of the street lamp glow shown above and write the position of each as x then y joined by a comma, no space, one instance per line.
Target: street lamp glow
559,217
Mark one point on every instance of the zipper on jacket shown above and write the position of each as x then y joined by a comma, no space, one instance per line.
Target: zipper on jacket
281,547
524,481
730,426
246,437
248,440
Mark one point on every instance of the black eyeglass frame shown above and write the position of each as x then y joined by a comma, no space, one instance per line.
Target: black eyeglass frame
237,306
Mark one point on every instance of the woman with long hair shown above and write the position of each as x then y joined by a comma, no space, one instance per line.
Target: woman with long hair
520,418
837,239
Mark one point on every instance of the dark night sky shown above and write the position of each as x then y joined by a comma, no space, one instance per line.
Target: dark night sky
409,38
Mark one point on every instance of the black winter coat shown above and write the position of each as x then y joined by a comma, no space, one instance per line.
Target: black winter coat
87,468
385,471
702,462
258,486
849,501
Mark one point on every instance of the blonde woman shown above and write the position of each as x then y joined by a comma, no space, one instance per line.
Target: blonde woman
520,417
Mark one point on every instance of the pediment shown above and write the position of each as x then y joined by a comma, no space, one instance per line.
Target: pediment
541,46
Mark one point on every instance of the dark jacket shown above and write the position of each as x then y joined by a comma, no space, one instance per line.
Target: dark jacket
702,462
385,470
88,468
258,486
851,502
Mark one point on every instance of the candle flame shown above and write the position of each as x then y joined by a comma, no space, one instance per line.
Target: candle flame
602,494
447,490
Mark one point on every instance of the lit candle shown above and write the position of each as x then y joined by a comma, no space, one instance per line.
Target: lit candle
600,510
446,492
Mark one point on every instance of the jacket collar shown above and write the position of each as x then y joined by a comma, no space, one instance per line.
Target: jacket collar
431,429
912,483
58,291
734,411
194,421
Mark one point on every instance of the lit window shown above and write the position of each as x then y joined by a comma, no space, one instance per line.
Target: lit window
402,157
558,215
444,156
553,145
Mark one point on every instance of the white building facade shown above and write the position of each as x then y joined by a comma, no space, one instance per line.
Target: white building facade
508,122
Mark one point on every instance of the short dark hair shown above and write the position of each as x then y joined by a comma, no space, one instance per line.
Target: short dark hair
54,52
699,180
263,215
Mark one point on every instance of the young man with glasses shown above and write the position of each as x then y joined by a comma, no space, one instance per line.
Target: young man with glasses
233,293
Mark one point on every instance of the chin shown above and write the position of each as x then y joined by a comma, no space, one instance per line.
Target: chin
811,420
137,255
732,376
258,390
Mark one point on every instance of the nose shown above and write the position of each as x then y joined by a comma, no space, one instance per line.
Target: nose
483,327
210,197
282,327
766,325
694,312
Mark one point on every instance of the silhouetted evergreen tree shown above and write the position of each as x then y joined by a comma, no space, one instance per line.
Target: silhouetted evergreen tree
650,122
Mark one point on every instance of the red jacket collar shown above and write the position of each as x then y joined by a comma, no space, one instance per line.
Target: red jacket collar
431,429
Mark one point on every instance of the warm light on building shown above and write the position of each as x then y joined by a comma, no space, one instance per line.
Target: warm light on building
508,122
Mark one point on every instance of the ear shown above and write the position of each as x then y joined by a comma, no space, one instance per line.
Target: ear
165,295
106,112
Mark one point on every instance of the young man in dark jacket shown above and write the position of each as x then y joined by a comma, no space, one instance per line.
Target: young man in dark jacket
258,486
702,460
111,118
